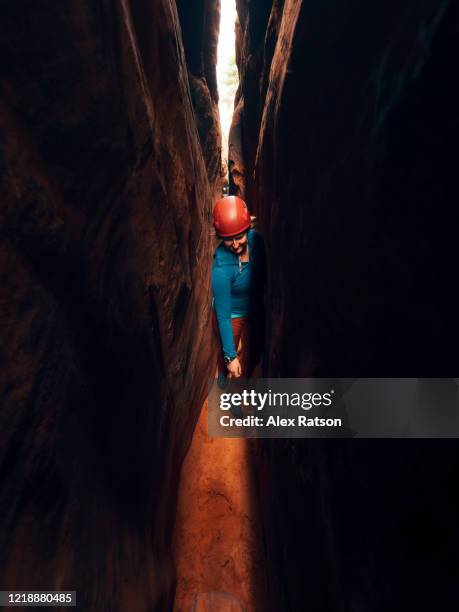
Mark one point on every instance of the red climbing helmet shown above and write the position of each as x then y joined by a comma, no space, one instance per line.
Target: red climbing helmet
231,216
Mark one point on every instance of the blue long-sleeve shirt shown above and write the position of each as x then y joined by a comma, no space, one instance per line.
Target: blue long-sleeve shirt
237,291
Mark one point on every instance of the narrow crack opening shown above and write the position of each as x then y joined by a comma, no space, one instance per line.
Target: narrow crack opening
227,72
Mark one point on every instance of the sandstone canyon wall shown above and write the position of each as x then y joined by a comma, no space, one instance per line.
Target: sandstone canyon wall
105,254
200,23
349,148
347,125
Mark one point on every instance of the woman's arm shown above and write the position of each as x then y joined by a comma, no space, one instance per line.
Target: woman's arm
221,287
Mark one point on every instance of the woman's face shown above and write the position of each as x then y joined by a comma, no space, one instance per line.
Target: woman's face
236,244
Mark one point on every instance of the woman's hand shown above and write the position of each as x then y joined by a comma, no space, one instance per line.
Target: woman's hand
234,368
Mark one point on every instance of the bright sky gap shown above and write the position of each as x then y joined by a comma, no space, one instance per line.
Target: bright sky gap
227,75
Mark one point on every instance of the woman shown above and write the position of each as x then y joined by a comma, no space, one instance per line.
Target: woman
238,284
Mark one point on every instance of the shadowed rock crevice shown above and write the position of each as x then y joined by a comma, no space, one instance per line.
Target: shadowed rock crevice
200,23
105,256
344,141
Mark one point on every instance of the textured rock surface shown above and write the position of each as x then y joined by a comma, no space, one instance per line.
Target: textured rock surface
350,149
235,155
200,22
253,21
355,150
105,253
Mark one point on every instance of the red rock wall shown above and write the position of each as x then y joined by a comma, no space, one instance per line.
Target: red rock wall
200,23
104,303
348,146
348,131
253,19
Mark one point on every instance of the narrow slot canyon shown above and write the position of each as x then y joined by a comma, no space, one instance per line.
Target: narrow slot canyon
218,542
343,143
